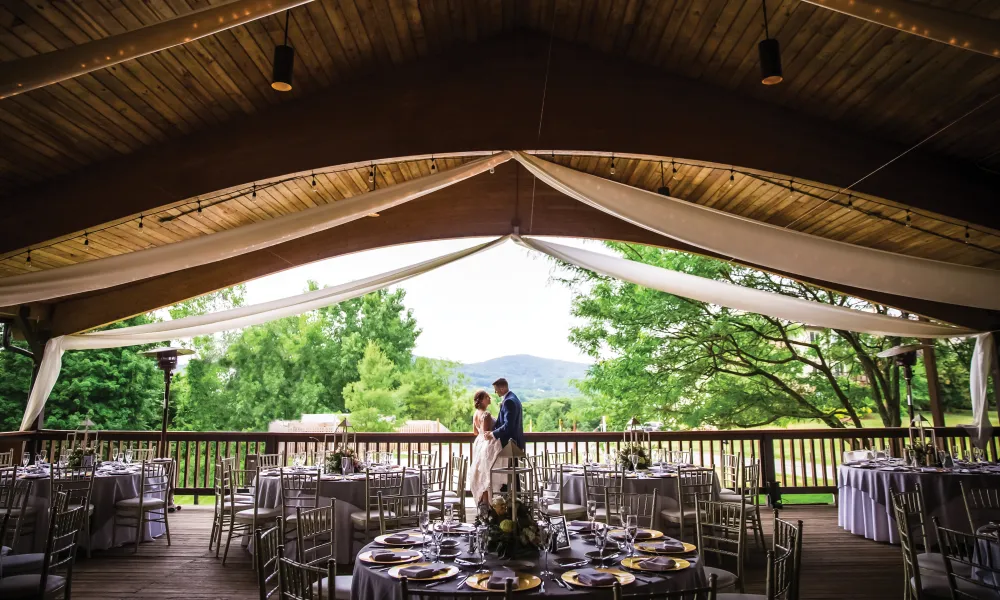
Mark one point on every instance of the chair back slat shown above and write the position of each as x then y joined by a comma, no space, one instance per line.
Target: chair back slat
641,505
299,489
297,581
314,531
400,511
912,502
982,505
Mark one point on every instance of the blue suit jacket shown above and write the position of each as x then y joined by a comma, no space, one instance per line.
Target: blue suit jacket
510,422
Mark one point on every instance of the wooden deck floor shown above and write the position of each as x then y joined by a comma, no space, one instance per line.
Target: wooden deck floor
835,565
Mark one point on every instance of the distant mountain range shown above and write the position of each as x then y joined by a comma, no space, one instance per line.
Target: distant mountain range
529,376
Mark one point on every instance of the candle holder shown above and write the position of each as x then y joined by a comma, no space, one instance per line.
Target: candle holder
509,517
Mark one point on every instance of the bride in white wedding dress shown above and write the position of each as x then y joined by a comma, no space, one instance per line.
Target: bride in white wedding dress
484,450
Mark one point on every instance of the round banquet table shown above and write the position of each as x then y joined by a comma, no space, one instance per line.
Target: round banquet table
574,489
369,584
864,507
349,491
109,487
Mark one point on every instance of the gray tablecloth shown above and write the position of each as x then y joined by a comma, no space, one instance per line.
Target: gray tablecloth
350,496
108,489
987,553
865,508
379,585
575,490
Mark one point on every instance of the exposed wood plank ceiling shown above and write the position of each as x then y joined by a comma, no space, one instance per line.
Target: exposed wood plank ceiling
807,207
890,84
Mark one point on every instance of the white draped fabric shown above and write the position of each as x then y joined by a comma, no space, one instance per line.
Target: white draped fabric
236,318
774,247
133,266
981,430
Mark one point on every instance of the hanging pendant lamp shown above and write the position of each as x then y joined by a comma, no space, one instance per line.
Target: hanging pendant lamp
284,59
770,55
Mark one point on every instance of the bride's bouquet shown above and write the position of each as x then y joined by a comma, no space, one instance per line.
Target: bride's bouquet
509,534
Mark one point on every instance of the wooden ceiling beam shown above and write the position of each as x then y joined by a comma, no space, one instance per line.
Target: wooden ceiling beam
487,97
489,205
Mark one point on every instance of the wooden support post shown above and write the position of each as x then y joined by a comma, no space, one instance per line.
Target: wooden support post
36,342
933,385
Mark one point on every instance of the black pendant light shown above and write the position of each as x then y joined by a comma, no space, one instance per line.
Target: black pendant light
770,55
663,189
284,58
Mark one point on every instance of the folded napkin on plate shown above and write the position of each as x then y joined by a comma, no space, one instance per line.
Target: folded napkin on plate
388,555
595,577
422,572
397,538
498,579
667,545
660,563
642,534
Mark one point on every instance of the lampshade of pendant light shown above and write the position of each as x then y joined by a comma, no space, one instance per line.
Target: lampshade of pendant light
769,51
284,59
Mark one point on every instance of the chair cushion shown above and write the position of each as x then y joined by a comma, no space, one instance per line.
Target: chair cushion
936,587
90,508
341,587
263,514
21,564
730,497
933,563
673,514
450,494
26,586
723,578
571,511
16,512
358,517
148,503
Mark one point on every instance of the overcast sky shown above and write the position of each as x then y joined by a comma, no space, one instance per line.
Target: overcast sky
495,303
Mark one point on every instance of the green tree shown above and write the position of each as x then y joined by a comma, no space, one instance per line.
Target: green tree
376,399
116,388
688,363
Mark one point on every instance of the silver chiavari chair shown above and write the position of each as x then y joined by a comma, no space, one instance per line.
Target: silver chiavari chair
56,571
982,505
550,492
693,485
596,481
971,570
297,581
316,545
265,551
14,494
721,535
78,485
150,506
641,505
7,458
400,512
699,593
376,484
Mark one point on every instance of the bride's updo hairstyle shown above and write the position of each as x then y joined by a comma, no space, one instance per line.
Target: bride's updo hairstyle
479,400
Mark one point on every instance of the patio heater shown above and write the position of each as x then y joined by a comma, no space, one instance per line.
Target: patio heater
906,357
166,359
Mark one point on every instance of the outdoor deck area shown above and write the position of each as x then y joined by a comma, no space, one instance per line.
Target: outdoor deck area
835,564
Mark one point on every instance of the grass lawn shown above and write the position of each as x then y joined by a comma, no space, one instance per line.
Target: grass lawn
951,419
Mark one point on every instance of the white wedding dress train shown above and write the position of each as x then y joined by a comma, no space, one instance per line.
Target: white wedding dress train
484,452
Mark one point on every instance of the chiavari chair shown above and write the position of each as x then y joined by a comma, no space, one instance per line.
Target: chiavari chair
387,484
298,490
971,571
642,506
721,534
316,545
143,454
7,458
265,551
432,594
434,483
984,502
297,581
150,506
454,494
913,574
400,512
550,493
78,485
747,490
596,481
14,494
693,485
227,503
730,469
912,503
423,459
700,593
268,461
55,576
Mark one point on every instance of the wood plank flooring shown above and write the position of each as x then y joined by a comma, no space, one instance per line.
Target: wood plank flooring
835,564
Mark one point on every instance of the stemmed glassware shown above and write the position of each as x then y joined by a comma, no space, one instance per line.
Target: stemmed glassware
128,456
977,454
39,459
601,539
424,518
482,540
25,459
591,513
631,531
634,459
115,452
544,541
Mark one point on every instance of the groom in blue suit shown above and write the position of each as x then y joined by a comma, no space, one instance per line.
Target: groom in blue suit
510,422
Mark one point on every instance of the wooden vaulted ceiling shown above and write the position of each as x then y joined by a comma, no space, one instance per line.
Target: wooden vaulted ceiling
890,84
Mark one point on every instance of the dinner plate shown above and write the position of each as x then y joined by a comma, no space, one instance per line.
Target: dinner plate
622,577
525,581
449,571
619,534
647,548
414,540
403,558
635,562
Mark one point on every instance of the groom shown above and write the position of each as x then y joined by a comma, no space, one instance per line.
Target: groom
509,424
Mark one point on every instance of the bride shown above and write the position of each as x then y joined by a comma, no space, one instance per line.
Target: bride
484,451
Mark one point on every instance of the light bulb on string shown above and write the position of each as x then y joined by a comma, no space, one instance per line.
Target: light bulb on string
314,181
676,174
28,260
907,218
434,164
612,164
86,239
664,190
371,173
732,179
253,195
140,221
966,234
199,206
850,202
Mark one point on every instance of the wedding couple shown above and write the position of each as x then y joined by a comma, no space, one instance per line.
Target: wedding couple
492,436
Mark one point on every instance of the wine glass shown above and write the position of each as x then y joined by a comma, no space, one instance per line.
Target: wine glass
634,459
437,536
591,512
115,452
631,531
544,539
424,518
39,459
449,515
25,459
601,539
482,540
977,454
128,456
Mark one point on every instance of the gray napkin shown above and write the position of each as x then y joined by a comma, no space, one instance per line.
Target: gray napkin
424,572
660,563
397,538
667,545
387,555
595,577
498,579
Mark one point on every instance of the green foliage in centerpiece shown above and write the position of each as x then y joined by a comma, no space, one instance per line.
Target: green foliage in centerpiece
76,455
637,449
335,460
509,534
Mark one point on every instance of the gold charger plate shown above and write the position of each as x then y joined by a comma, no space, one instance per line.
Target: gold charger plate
414,540
635,562
622,577
620,534
450,571
367,557
525,581
646,547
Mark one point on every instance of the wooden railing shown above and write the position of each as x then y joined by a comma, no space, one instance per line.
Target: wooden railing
797,460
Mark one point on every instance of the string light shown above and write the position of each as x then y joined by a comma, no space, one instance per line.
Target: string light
674,165
664,190
314,181
29,257
850,202
907,218
371,173
612,164
732,178
966,233
434,164
199,206
86,239
253,196
140,221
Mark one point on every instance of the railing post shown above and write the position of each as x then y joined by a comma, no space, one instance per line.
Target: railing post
766,443
270,444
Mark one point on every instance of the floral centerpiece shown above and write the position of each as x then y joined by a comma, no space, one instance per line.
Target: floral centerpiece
637,449
76,455
334,462
509,534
